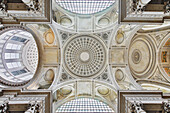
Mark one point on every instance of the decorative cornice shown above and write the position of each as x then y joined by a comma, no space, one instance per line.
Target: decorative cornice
36,11
136,101
133,11
38,101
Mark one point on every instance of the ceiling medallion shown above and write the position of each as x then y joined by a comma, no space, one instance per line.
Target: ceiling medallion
136,56
141,56
84,56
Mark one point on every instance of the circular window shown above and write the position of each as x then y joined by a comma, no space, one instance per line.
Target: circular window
84,56
85,6
18,56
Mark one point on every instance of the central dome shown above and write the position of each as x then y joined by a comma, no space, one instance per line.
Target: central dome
84,56
85,6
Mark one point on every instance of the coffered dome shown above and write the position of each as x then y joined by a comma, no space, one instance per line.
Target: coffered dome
19,56
85,56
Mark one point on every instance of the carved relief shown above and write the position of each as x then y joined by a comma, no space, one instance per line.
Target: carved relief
120,36
117,56
136,107
4,107
159,37
166,107
141,56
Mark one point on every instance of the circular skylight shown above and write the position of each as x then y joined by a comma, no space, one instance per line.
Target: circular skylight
85,6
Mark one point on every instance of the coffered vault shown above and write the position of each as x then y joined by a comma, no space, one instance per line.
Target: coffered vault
73,60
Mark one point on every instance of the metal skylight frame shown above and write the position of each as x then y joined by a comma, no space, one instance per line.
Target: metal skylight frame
85,6
85,105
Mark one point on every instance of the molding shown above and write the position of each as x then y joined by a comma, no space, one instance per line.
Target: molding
17,99
28,15
145,97
130,13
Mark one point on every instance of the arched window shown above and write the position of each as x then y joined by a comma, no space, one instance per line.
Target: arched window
13,46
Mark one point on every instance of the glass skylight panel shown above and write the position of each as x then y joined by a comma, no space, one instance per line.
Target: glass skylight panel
19,64
85,6
7,56
19,39
9,65
9,46
13,65
19,72
19,47
13,46
11,55
85,105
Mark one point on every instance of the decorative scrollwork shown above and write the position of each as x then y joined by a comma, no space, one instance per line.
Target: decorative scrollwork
167,7
3,5
34,6
166,107
3,8
137,7
136,107
4,107
35,107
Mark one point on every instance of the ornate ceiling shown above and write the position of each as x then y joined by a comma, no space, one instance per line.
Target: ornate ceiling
81,58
